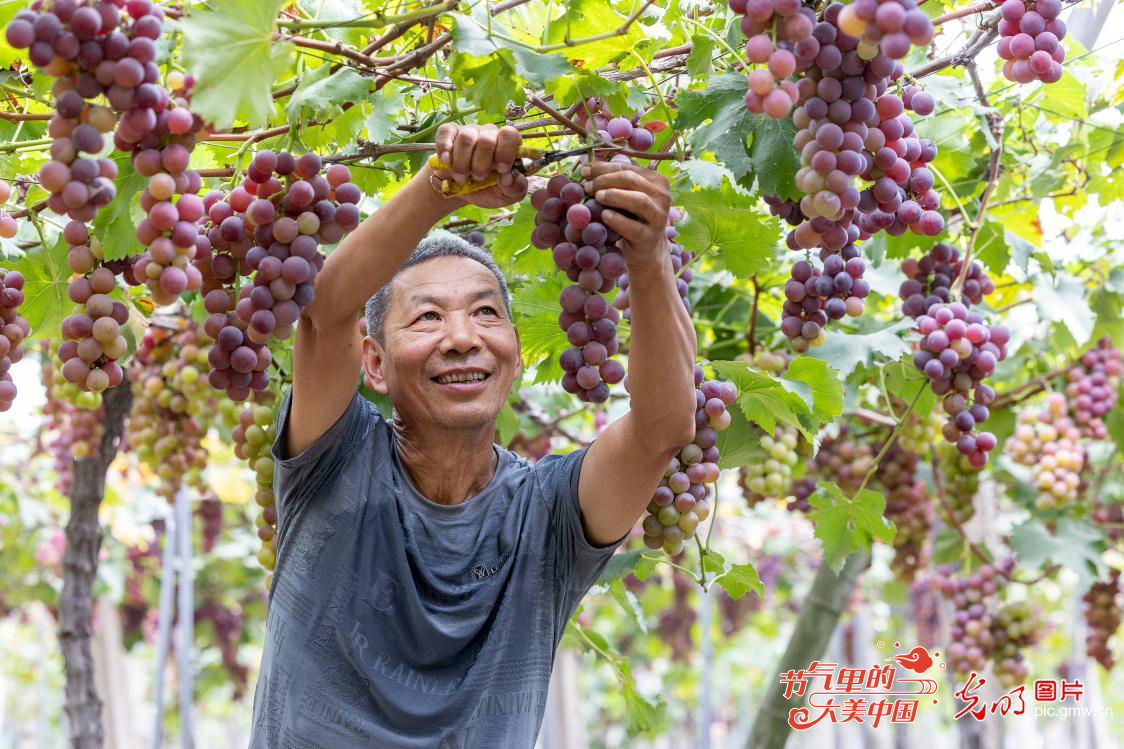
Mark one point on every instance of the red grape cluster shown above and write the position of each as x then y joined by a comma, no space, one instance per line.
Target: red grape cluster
227,626
73,432
253,432
956,351
910,509
982,629
779,37
13,329
886,26
1030,40
788,210
1093,385
171,406
840,459
1104,613
929,280
93,336
1050,443
680,266
585,250
814,296
209,511
681,501
622,130
8,227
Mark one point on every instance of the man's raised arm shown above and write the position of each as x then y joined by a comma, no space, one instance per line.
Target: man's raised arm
624,465
327,353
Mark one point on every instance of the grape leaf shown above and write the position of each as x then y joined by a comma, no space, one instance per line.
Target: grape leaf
848,524
535,306
1063,300
846,351
589,18
705,174
322,94
386,108
699,61
232,53
903,380
765,400
337,10
639,563
740,579
991,247
775,161
722,102
471,37
1073,544
115,224
740,443
825,388
45,301
721,219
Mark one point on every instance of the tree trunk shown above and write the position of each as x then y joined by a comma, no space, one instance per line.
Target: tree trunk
80,566
809,640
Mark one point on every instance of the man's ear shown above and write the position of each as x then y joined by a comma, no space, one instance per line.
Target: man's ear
374,361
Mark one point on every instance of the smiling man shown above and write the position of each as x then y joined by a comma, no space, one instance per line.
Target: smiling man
424,574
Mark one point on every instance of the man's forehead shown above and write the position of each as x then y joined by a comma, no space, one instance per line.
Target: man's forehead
432,280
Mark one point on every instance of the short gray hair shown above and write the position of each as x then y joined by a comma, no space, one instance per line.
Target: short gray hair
439,243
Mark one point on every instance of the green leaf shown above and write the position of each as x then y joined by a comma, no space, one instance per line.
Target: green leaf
1074,544
471,37
630,603
774,159
322,96
586,18
1063,300
386,108
903,380
765,400
991,247
699,61
846,351
619,565
231,51
507,424
705,174
45,302
826,388
721,219
722,102
489,82
337,10
115,225
1065,97
739,444
535,306
848,524
740,579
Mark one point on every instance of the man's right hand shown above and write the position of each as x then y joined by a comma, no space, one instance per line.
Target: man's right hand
476,151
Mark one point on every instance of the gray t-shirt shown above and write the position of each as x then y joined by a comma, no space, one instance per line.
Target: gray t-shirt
398,622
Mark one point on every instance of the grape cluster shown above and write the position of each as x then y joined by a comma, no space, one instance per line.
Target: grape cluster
171,406
779,37
253,432
929,280
13,330
956,351
770,476
982,629
774,362
209,510
72,432
788,210
918,430
1104,613
840,459
909,507
227,626
1093,384
93,336
814,296
886,26
1049,442
960,481
682,501
625,131
680,260
8,227
1030,40
585,250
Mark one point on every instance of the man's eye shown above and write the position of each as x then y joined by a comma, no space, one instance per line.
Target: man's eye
489,309
431,315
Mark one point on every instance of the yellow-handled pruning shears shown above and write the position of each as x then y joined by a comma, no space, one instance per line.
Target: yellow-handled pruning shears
538,158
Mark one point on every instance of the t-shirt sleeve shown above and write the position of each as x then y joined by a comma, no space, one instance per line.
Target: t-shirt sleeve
558,479
297,478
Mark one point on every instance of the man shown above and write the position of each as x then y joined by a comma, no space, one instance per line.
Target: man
424,575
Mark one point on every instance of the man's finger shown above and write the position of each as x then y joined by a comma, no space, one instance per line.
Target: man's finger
507,145
625,180
462,151
628,228
446,134
638,203
484,152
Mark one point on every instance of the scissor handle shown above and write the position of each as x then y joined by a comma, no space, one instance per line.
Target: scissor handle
452,188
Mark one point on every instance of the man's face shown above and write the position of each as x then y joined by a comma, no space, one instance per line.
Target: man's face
451,353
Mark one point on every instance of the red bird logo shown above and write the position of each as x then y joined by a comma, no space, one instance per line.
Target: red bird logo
917,660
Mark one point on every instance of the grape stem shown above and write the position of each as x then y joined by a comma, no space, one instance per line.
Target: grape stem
663,102
23,116
943,499
752,336
890,440
18,145
995,125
